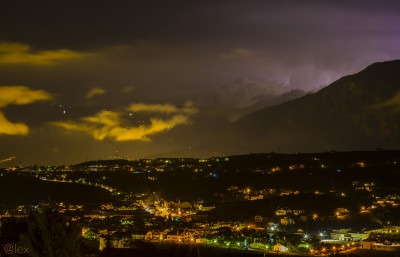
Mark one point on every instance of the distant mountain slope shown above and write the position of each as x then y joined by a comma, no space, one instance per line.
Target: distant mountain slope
356,112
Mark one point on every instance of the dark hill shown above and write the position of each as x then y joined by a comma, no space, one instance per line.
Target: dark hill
356,112
20,189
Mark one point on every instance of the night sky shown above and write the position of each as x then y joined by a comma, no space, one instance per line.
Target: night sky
82,79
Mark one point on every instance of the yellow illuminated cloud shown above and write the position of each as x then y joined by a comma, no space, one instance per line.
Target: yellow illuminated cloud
18,95
393,103
9,128
16,53
107,124
128,89
95,91
188,108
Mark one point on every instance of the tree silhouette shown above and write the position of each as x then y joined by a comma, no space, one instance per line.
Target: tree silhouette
49,234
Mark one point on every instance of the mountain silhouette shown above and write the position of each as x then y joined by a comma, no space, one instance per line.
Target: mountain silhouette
356,112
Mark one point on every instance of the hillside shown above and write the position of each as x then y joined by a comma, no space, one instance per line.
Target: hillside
356,112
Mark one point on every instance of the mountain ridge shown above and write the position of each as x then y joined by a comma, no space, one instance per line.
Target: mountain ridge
355,112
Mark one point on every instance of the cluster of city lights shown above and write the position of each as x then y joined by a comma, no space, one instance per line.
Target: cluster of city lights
8,159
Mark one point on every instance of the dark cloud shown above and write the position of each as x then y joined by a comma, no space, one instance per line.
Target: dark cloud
228,57
232,101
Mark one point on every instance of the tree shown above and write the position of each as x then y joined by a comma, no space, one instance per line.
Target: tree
49,234
11,229
314,241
